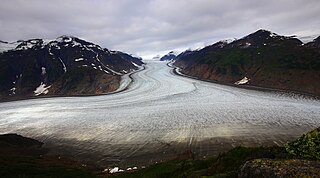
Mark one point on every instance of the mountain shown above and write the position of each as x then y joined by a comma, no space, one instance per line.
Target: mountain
5,46
64,66
315,43
168,56
262,59
156,58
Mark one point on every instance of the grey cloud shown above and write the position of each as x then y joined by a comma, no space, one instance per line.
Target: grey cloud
147,27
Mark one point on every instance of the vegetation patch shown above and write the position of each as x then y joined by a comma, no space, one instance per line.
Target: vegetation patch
307,146
239,161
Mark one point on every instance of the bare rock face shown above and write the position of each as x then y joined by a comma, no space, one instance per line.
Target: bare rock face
267,168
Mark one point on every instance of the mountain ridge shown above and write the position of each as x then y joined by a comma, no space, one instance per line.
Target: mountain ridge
266,59
167,57
65,66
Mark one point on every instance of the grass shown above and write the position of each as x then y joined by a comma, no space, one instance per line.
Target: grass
227,165
224,165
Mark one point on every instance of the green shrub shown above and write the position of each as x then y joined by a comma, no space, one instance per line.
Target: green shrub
307,146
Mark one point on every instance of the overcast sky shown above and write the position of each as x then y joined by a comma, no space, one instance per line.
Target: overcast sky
150,27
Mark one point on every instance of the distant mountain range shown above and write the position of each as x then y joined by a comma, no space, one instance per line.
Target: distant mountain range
171,55
262,59
64,66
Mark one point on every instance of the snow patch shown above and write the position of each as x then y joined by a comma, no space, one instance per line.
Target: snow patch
43,71
67,40
74,43
63,65
97,58
247,44
91,45
54,44
45,41
113,170
13,90
41,89
79,59
242,81
113,52
273,35
135,64
64,38
228,41
26,46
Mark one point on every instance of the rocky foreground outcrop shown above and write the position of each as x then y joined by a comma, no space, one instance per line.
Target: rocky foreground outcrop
266,168
306,148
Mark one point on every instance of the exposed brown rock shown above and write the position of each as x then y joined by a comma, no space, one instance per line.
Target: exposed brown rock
280,169
267,59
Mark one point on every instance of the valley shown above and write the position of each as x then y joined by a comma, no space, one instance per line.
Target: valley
159,116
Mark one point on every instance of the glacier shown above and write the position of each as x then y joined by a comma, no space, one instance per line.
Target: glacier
159,115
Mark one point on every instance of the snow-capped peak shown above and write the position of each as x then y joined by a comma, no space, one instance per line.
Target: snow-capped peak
5,46
29,44
65,39
273,35
228,41
113,52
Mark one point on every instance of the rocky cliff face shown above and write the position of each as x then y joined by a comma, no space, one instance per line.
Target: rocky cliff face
65,66
264,58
